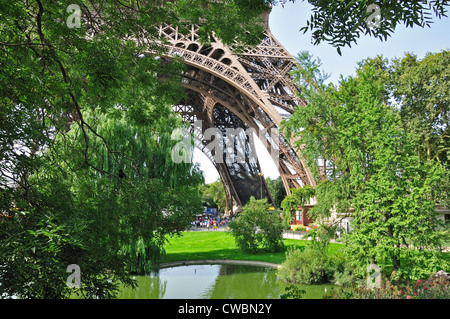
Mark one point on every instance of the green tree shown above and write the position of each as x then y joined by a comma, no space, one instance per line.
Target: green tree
52,75
53,71
276,189
257,226
371,165
108,227
421,88
214,195
72,188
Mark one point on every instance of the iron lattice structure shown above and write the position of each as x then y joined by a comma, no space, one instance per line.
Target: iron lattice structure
250,89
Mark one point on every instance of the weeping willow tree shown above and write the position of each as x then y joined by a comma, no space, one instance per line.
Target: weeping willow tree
136,195
84,200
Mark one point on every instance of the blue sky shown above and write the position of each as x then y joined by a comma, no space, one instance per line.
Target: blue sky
285,24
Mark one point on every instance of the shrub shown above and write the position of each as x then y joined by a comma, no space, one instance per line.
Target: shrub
312,266
257,226
344,277
293,292
298,228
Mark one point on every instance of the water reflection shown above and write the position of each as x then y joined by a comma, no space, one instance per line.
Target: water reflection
245,282
150,287
214,282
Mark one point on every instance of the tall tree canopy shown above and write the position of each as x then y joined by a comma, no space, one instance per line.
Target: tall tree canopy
86,171
72,214
83,90
422,89
53,69
367,159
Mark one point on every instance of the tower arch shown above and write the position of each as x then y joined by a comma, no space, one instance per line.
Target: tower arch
230,90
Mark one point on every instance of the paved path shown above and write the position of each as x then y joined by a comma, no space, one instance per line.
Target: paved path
195,228
287,235
292,235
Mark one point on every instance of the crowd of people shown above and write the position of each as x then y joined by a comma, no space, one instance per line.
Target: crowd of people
210,223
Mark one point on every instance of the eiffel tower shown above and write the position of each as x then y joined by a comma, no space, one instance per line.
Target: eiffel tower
250,89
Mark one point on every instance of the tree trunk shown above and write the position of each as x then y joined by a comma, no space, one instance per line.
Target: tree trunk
395,255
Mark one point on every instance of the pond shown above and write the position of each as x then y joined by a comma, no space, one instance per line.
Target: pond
215,281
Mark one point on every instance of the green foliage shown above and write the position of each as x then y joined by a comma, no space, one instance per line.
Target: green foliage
257,226
287,205
86,174
345,277
159,196
341,23
49,232
298,197
213,195
276,189
310,266
108,226
143,257
372,167
299,228
422,88
293,292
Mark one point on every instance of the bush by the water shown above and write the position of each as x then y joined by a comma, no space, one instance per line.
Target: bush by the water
314,266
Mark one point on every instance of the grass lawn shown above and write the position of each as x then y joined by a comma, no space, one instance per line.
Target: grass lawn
220,245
